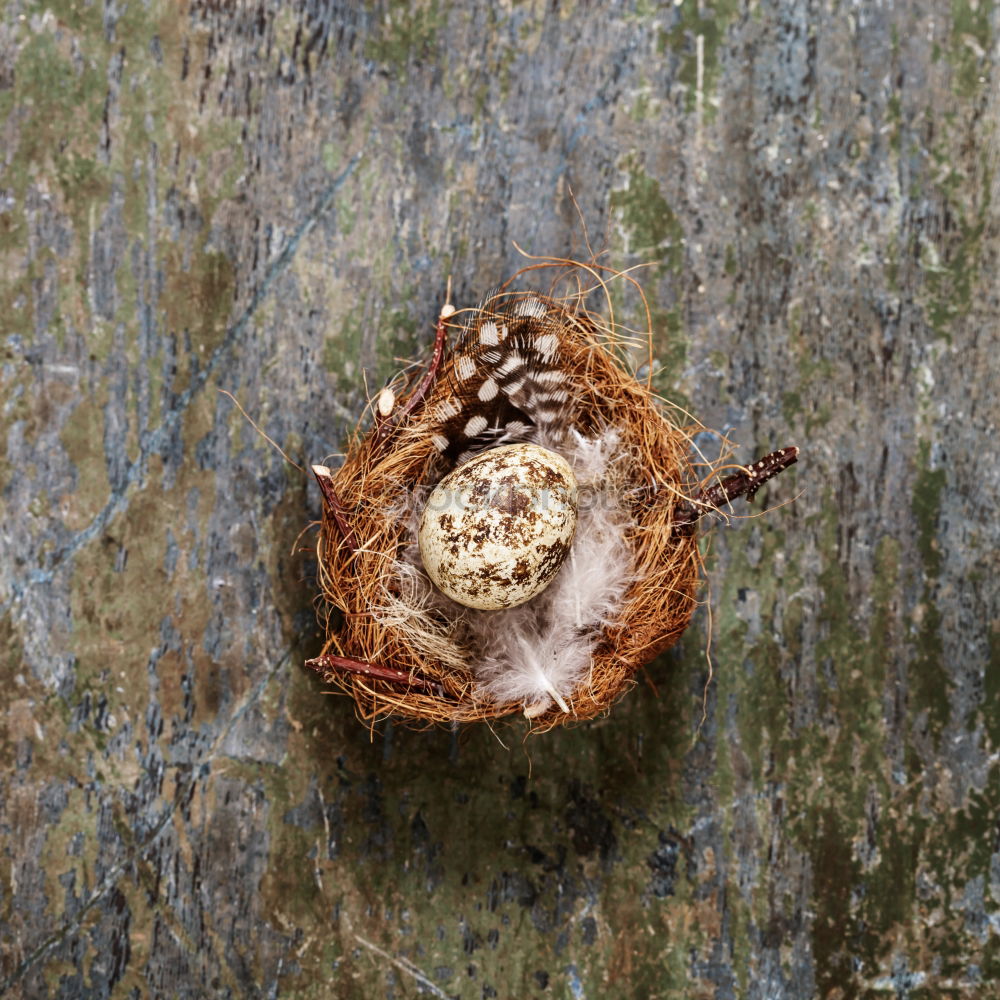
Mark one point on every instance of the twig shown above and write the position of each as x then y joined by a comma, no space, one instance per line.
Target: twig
323,477
386,427
746,482
331,662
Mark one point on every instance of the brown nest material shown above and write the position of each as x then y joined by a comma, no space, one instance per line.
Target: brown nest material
397,651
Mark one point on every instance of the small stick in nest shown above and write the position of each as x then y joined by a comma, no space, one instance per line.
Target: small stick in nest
385,426
325,479
328,663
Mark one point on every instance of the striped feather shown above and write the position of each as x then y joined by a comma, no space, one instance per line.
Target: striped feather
506,379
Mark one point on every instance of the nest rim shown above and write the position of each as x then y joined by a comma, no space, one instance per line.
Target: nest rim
657,607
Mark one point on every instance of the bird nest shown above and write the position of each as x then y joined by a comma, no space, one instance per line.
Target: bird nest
398,646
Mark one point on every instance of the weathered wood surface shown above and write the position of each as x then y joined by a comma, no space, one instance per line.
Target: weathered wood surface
268,199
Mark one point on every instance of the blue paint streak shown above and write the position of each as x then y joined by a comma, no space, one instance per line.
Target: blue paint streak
575,986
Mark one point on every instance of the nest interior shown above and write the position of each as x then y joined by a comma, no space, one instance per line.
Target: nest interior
390,463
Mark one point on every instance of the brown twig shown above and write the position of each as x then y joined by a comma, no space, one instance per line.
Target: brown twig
746,482
387,426
323,477
328,662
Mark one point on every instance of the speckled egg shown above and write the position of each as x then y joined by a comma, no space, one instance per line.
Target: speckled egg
496,530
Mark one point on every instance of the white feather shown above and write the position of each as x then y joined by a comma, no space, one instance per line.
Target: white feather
541,652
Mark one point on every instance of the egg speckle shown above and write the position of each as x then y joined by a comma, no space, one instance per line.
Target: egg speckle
495,531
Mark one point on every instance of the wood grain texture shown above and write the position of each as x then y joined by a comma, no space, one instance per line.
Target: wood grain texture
268,198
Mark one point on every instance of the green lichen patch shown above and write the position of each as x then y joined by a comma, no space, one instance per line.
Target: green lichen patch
698,27
930,682
834,925
951,273
52,109
83,438
970,44
198,298
651,231
647,221
406,32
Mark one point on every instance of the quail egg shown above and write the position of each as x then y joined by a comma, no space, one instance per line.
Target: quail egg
495,531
